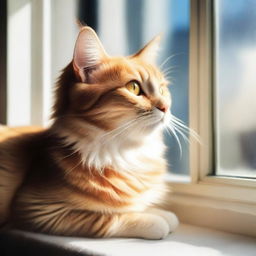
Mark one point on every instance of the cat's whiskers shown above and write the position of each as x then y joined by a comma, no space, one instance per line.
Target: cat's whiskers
169,75
184,136
180,125
124,127
152,120
168,59
169,69
172,131
177,126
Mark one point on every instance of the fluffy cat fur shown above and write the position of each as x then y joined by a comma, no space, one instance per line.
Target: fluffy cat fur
98,170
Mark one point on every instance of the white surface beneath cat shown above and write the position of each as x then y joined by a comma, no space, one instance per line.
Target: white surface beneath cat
186,240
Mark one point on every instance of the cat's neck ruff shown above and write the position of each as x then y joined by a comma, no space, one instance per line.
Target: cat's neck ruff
124,152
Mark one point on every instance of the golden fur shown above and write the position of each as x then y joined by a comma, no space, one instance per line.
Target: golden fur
99,168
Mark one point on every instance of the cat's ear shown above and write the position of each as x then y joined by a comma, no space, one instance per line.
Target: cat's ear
149,52
88,52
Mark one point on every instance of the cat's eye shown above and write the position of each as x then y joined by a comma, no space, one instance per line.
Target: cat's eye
134,87
161,90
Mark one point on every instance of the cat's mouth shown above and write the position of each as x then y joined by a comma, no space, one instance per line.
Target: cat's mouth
163,116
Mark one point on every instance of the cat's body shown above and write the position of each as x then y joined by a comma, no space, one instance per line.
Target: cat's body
98,170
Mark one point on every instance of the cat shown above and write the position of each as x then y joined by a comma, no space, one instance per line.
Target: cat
98,170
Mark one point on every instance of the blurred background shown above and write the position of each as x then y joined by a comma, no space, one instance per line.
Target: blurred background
40,39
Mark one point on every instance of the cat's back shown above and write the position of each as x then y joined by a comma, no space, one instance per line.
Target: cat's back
11,132
15,141
15,146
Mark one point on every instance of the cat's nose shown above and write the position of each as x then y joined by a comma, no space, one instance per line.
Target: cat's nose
162,107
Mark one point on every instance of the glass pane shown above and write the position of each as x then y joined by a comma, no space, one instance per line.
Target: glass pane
235,65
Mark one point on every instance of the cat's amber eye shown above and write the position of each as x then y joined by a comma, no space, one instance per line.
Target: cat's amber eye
161,90
133,87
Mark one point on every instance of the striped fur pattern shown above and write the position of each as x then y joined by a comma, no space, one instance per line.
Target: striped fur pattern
98,170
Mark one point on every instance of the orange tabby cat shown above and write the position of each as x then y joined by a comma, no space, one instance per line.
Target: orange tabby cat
98,170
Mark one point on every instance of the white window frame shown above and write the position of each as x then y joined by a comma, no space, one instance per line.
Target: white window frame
37,51
225,203
29,62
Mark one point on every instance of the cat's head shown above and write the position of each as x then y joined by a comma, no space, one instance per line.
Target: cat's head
122,94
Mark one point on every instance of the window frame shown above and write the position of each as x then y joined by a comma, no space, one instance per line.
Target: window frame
229,197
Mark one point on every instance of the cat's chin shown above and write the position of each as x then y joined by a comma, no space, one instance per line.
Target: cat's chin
158,126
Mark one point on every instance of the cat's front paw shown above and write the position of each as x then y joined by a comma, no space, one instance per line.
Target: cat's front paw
142,225
169,217
158,229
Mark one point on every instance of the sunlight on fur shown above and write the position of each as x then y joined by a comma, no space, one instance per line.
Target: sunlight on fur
98,170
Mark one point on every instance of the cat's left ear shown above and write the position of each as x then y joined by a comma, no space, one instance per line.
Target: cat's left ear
88,52
149,52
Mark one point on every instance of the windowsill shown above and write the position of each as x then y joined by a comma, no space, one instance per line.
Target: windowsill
187,240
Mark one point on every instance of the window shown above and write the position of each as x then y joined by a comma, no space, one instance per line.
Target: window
213,198
235,61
